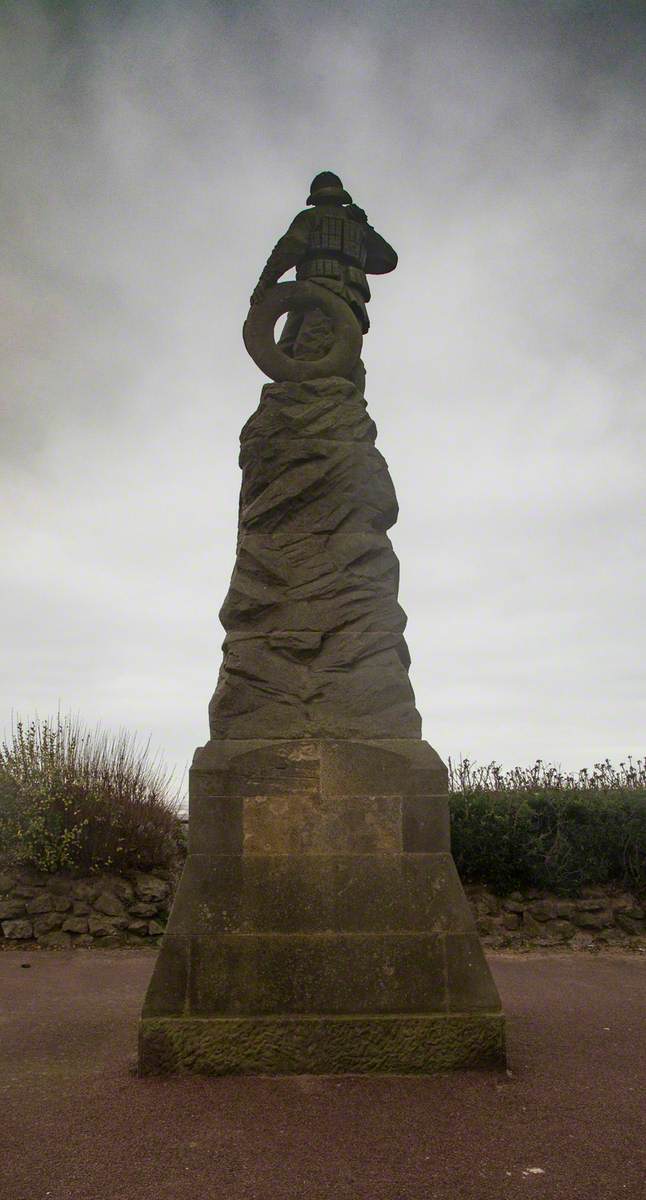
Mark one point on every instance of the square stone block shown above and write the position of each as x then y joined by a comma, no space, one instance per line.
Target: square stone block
316,973
320,894
296,824
257,768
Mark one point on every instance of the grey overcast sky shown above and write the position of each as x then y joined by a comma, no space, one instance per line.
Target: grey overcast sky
152,153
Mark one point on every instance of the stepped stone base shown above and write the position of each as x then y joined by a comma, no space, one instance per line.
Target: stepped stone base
320,924
403,1045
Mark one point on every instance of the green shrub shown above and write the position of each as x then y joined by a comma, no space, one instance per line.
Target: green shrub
80,801
541,828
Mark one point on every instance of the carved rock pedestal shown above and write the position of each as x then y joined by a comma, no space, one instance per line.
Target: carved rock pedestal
320,925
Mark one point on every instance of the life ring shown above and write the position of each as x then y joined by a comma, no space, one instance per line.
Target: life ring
258,333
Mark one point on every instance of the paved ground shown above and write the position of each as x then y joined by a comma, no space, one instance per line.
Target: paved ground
76,1124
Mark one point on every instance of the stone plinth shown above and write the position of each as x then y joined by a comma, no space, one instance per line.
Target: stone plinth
320,925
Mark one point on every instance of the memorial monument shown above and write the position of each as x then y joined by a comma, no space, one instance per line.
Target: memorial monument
320,924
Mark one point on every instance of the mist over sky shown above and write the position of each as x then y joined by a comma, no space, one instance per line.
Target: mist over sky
152,154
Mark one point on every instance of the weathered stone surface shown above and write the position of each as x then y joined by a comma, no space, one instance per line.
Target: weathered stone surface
314,640
610,937
51,904
582,940
104,926
531,926
56,940
59,885
469,984
300,973
109,905
83,941
629,923
17,930
624,902
140,926
142,910
511,920
307,824
31,877
320,777
593,920
7,881
87,890
355,684
352,893
325,900
411,1044
351,571
124,890
110,941
264,767
42,903
150,888
561,929
543,910
155,928
75,925
46,923
316,885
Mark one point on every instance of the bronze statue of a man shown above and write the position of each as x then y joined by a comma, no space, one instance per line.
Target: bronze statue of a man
330,244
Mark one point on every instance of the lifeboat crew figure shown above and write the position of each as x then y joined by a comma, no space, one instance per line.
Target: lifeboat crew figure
330,244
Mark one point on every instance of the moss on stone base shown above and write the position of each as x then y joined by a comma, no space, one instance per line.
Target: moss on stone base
321,1045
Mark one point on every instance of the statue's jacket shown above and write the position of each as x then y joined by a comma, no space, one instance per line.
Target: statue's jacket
331,246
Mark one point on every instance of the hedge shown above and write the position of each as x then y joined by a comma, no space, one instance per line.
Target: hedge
85,801
541,828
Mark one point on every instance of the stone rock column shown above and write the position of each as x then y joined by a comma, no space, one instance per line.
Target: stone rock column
320,925
314,644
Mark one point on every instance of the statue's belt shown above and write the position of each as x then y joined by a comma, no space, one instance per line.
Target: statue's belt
325,252
326,267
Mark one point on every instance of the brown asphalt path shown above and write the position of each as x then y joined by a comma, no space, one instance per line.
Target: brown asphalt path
76,1124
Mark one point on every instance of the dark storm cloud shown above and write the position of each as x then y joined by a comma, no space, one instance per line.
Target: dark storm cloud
152,154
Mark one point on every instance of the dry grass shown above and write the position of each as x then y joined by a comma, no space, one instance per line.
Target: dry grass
82,800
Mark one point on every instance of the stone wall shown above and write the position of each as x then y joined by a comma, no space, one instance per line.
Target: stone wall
598,918
60,912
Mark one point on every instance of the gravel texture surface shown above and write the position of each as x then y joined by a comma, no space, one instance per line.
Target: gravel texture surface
566,1121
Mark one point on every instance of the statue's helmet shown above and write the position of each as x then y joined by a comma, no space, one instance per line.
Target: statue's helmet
327,188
